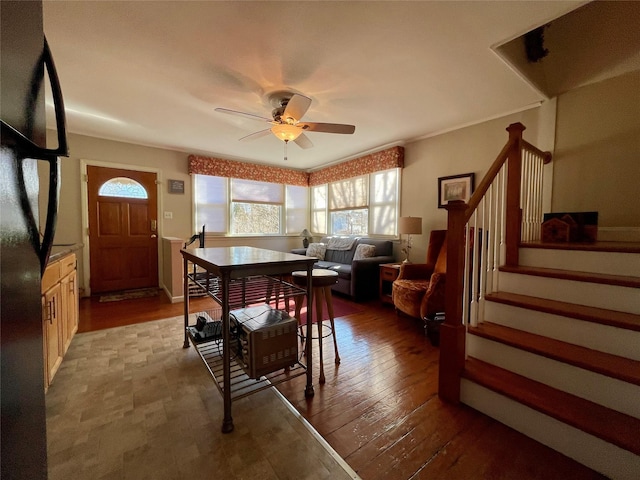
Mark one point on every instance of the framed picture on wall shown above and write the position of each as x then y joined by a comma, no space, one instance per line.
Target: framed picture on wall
455,187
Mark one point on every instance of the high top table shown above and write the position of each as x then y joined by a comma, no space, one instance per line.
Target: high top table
222,273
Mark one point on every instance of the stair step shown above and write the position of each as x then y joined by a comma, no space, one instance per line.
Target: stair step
604,279
612,258
535,282
624,320
616,247
609,425
612,366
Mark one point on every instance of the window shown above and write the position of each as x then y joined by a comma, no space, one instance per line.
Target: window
122,187
297,210
256,207
247,207
210,195
363,205
383,203
319,209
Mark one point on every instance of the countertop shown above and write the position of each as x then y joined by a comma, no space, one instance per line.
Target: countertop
61,250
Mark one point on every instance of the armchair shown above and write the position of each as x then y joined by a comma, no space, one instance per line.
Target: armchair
419,290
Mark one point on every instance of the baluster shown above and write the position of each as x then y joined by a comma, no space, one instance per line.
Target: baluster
474,269
525,194
539,183
490,235
482,259
503,216
523,197
467,297
498,240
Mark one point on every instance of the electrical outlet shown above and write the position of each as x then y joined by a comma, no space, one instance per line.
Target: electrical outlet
168,215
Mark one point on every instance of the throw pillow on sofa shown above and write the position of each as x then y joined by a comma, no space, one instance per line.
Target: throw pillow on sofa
364,251
316,250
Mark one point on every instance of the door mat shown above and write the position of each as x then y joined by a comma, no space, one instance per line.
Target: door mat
128,294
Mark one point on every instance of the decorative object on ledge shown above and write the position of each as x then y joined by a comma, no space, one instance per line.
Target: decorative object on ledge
455,187
570,227
306,236
409,226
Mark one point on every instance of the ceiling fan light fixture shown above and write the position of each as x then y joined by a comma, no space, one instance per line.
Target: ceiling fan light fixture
286,132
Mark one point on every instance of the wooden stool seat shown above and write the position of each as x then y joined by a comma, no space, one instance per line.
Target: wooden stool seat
322,280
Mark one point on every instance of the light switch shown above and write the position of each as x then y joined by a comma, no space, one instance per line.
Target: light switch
168,215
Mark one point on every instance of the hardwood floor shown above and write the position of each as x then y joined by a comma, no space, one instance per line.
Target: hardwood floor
379,407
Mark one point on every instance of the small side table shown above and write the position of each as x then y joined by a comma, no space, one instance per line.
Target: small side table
388,273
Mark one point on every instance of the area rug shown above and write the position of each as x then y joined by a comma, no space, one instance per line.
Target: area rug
131,402
341,308
129,294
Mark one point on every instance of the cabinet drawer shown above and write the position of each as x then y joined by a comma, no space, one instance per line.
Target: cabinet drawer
388,274
51,276
67,265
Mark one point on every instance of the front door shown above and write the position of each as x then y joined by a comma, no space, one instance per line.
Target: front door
123,237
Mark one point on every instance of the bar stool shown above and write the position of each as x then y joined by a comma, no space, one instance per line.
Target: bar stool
322,280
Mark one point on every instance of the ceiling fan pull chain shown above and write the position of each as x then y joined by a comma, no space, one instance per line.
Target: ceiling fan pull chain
286,142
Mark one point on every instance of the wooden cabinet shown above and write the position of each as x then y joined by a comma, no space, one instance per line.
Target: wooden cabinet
59,312
52,326
388,273
69,291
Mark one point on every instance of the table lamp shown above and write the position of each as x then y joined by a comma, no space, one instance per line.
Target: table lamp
305,237
409,226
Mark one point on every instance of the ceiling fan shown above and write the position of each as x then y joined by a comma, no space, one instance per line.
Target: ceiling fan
286,124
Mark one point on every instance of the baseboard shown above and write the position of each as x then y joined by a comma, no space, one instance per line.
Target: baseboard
171,298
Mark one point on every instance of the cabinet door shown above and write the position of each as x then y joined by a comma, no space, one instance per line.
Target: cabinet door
69,313
52,329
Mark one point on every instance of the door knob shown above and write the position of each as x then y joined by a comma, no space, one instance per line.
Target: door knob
153,236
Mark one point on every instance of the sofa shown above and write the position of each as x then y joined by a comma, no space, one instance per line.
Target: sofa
356,259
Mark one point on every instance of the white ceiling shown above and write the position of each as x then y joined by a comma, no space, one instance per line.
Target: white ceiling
152,73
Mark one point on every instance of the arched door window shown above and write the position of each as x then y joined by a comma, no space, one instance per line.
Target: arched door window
122,187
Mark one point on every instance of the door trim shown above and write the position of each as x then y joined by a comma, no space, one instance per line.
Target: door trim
84,199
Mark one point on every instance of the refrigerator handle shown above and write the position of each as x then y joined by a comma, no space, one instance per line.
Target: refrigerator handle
28,149
53,199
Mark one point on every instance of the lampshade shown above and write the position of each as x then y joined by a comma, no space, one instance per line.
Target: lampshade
286,132
410,225
305,233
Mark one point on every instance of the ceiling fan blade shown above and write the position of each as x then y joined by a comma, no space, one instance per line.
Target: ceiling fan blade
255,135
296,107
303,141
327,127
243,114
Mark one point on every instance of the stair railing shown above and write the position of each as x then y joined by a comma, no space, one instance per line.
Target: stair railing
505,209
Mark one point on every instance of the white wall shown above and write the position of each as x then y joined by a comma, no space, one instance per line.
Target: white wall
471,149
171,165
597,156
595,131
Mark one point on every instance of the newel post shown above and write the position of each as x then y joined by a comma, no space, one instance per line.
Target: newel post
452,331
513,209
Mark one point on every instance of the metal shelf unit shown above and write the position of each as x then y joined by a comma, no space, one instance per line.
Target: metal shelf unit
239,382
238,277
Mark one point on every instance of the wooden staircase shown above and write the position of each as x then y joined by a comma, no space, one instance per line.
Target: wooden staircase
557,356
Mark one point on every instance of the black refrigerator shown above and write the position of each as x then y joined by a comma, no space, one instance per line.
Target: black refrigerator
25,64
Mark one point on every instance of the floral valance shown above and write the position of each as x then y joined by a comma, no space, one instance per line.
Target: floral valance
248,171
374,162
